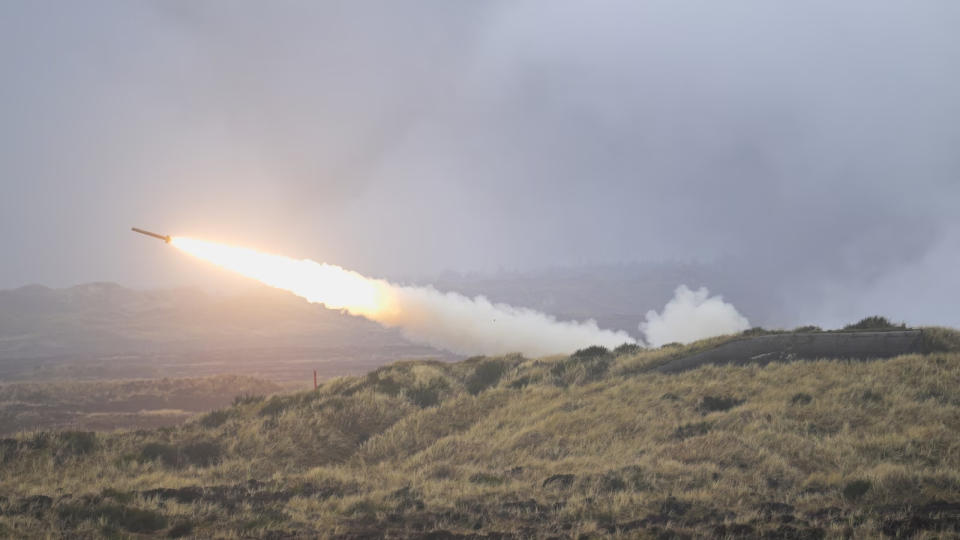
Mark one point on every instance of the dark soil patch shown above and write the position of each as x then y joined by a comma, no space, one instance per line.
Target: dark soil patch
711,404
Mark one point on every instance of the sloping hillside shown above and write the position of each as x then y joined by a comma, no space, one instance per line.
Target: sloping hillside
591,444
103,330
106,318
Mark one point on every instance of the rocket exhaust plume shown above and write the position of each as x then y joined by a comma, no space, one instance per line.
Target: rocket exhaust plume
445,320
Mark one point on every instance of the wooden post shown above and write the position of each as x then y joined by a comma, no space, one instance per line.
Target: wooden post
314,380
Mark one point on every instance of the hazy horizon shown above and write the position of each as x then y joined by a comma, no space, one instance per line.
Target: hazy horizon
809,150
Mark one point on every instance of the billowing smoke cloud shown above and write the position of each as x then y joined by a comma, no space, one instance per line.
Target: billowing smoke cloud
692,315
476,326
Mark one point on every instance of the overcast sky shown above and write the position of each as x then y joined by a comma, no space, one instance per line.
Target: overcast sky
811,146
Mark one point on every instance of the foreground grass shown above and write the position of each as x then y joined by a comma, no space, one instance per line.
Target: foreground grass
589,444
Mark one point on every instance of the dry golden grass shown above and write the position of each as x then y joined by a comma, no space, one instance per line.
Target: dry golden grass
551,447
81,392
105,405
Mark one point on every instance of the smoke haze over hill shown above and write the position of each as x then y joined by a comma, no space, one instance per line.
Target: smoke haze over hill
807,150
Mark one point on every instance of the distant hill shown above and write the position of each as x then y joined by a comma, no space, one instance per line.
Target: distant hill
105,318
104,330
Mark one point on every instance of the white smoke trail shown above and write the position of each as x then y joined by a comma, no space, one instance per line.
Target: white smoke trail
445,320
692,315
454,322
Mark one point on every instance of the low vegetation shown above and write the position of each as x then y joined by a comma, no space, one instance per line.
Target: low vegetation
580,446
110,404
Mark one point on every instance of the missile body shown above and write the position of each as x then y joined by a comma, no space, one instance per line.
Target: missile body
155,235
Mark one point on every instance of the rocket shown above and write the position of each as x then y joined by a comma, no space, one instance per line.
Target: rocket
155,235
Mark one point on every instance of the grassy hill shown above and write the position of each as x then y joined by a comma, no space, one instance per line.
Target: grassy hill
581,446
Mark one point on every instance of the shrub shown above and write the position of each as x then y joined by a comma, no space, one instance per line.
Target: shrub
672,345
807,329
78,442
939,339
856,489
583,366
874,322
8,448
215,418
201,454
627,349
154,451
590,353
427,395
611,482
692,430
597,369
520,383
485,375
756,331
384,385
247,399
39,441
275,406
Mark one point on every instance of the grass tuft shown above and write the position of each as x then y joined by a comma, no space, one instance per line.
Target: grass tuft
428,394
78,442
486,374
875,322
247,399
215,418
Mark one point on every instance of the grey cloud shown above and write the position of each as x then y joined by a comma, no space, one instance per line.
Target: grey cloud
809,148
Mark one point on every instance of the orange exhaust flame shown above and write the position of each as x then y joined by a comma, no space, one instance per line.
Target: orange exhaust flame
321,283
